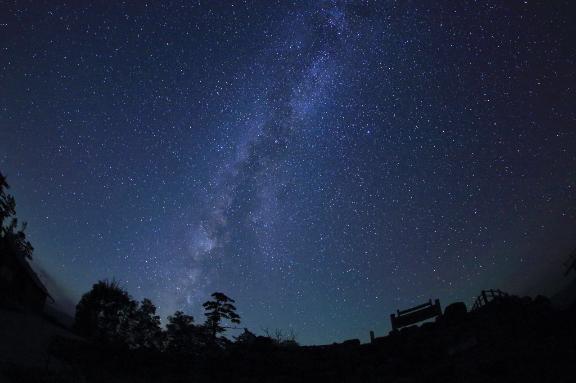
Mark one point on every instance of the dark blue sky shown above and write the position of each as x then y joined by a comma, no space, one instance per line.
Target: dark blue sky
323,163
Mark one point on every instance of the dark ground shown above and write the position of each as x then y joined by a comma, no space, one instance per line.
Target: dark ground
509,340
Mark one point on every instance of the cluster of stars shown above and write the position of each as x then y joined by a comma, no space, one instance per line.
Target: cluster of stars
323,163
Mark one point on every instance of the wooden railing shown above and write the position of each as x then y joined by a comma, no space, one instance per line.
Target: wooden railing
487,296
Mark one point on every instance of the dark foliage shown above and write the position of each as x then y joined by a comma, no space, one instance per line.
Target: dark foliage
182,336
13,240
109,315
246,338
145,328
105,313
220,308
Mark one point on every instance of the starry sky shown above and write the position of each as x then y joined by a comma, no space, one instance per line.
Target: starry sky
324,163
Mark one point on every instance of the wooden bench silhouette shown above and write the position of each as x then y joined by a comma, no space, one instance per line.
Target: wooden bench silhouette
416,314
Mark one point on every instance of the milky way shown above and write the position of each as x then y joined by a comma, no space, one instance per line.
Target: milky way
245,190
324,163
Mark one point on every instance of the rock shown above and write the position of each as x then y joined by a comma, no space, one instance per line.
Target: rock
455,312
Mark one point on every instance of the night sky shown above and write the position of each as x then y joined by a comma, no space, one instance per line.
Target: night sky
323,163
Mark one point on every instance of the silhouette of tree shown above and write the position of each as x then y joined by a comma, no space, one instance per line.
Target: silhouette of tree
220,308
282,338
7,202
106,313
12,238
246,338
182,335
145,331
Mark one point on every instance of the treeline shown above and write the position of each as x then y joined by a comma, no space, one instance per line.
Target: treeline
109,315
